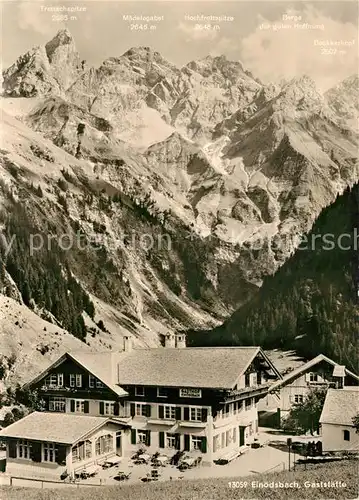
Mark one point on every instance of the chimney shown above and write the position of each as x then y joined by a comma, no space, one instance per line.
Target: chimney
170,340
180,340
127,343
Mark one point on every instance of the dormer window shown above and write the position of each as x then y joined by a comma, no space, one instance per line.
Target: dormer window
139,390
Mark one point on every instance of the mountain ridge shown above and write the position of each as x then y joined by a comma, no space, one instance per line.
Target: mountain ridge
231,172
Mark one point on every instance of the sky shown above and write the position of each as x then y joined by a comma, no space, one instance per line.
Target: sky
269,44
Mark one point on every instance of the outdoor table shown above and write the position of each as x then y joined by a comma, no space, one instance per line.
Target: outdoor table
188,461
112,461
144,457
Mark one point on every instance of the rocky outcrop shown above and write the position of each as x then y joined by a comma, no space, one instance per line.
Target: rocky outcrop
44,70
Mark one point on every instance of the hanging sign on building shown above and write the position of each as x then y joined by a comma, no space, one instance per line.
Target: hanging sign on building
190,393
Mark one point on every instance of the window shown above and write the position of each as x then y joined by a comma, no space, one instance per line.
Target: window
109,408
78,380
79,406
313,377
57,404
139,391
162,392
92,381
170,412
196,443
141,410
196,414
82,451
104,444
23,449
298,398
72,380
259,378
247,379
55,380
49,452
142,437
170,440
99,384
248,403
346,435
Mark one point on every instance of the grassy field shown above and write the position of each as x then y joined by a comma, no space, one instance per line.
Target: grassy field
215,489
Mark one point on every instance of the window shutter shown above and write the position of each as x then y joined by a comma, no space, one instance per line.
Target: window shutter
36,451
148,438
133,409
148,411
187,445
204,414
178,441
72,405
61,455
12,448
86,407
204,445
186,413
102,408
178,413
161,439
133,436
46,401
161,412
116,409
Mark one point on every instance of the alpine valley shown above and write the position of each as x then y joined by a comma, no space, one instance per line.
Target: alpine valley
142,198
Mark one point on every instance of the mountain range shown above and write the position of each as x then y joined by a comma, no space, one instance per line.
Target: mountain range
157,198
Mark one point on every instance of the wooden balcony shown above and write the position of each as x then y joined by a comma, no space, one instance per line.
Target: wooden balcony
244,392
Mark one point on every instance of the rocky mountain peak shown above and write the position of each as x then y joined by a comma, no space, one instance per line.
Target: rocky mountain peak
44,70
343,99
217,64
61,39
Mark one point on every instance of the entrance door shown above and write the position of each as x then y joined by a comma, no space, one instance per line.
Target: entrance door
119,443
241,436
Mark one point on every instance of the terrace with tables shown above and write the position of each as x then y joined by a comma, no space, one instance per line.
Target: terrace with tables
140,467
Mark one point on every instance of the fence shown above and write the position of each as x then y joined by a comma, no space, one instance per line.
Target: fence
43,483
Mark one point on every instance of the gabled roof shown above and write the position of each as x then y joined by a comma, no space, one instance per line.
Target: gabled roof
100,364
307,366
197,367
63,428
340,406
206,367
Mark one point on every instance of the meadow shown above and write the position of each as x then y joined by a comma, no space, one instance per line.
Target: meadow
345,474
